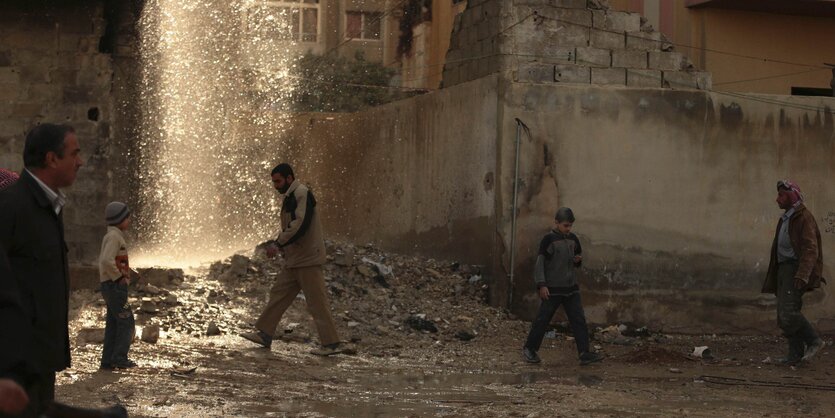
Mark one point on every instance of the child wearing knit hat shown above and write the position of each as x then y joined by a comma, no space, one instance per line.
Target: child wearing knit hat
115,275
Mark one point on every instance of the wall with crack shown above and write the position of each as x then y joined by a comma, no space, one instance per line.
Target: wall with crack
674,196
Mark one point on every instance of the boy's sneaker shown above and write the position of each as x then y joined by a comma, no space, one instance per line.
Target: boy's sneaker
530,355
260,337
812,349
124,365
588,358
332,349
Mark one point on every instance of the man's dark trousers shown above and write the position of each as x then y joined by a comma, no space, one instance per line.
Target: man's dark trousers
576,318
797,330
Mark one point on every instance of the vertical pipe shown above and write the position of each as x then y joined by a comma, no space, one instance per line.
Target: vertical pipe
519,125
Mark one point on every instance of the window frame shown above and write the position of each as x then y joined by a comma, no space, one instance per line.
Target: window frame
300,5
363,15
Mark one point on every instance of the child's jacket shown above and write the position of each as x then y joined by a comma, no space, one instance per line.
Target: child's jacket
113,259
555,263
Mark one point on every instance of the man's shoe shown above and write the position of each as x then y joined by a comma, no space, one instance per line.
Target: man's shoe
124,365
332,349
260,337
106,366
789,360
812,349
530,355
589,358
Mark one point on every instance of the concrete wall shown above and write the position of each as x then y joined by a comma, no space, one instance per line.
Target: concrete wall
674,196
673,190
413,176
56,65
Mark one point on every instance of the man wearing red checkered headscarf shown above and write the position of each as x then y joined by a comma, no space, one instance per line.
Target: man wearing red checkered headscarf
795,268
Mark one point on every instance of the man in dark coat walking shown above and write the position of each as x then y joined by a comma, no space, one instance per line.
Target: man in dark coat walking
32,239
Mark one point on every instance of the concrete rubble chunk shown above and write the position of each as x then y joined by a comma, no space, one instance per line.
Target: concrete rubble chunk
90,336
150,334
212,329
239,265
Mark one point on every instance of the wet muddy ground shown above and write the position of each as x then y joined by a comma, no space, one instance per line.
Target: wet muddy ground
400,372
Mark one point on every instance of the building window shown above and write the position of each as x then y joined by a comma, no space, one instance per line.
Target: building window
286,20
363,25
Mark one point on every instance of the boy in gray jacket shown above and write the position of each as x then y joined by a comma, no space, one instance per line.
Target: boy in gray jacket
559,254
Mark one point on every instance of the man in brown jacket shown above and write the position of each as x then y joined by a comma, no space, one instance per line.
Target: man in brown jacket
795,268
303,247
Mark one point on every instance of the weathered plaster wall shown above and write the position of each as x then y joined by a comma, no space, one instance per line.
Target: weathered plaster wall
674,194
413,176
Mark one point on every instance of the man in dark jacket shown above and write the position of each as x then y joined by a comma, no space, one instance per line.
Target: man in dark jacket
32,236
795,267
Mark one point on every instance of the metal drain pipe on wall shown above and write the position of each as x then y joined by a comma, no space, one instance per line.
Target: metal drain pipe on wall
519,126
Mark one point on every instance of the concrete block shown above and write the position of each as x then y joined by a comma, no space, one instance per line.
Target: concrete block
608,76
643,78
26,110
567,73
645,41
681,80
483,30
554,17
34,74
5,58
535,72
616,21
566,4
607,40
9,75
668,61
629,59
594,57
704,80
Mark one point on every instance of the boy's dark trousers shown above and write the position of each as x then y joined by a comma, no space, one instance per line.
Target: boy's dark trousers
119,327
576,317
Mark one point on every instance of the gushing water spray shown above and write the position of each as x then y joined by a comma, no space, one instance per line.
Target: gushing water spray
214,84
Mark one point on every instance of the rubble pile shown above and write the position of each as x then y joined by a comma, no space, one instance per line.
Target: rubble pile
378,299
375,294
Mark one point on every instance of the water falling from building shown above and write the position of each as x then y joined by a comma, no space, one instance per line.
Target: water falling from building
214,81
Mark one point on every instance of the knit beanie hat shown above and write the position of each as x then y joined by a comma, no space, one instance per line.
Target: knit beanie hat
7,178
116,212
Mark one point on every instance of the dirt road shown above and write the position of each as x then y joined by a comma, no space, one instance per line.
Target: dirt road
400,371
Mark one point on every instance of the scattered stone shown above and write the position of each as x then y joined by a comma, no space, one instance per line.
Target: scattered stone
148,307
150,334
151,289
239,265
464,335
212,329
353,324
420,323
612,335
170,299
674,370
344,259
90,336
366,271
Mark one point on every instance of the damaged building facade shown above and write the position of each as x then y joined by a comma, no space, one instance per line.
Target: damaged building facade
672,182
